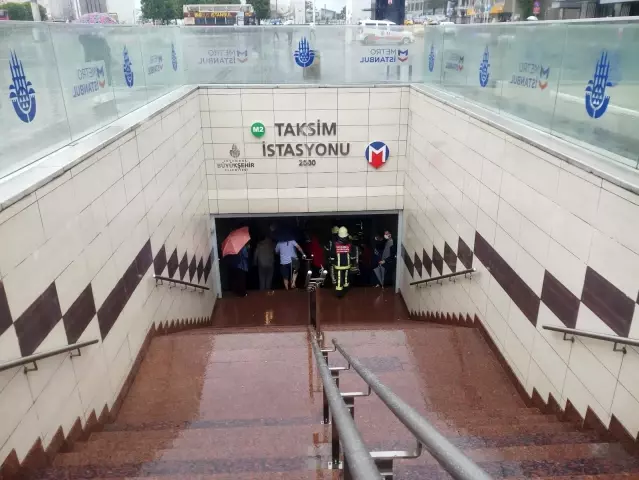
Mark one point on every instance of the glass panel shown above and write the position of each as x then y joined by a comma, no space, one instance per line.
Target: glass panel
532,56
129,84
162,59
472,62
454,64
223,54
316,55
85,66
598,99
383,53
434,53
32,115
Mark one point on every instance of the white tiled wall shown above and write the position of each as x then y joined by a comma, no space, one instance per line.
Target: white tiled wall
86,227
539,213
452,175
279,184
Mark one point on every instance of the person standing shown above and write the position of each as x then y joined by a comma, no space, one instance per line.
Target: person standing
240,266
316,254
341,261
264,258
329,249
386,262
286,250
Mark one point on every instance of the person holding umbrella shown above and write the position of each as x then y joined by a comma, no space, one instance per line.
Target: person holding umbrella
235,246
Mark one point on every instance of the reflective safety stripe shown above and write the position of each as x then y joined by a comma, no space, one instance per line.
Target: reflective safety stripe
341,268
342,278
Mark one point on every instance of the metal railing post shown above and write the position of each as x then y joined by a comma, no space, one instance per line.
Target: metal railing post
349,399
350,404
458,465
312,309
326,413
334,446
360,463
312,285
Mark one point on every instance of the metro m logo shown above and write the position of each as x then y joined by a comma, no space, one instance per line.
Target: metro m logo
377,153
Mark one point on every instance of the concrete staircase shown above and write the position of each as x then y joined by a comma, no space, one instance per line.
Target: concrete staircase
215,405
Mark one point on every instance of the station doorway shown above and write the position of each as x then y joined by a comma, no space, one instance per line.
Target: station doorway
365,229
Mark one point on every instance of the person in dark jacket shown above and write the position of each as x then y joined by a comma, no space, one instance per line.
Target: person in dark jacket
386,259
265,260
239,269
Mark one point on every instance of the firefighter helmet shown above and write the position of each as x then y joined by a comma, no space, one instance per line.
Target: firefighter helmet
335,229
342,233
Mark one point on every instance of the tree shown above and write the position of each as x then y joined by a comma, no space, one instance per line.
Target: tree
162,11
526,8
342,14
22,11
262,9
215,2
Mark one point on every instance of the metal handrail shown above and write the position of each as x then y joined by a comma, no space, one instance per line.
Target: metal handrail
443,277
42,355
357,458
458,465
181,282
598,336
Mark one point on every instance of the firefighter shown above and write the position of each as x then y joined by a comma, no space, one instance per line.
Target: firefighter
329,250
341,261
354,254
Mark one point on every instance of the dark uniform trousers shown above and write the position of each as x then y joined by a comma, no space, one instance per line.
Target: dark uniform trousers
342,266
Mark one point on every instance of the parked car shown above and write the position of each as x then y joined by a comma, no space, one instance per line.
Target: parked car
373,32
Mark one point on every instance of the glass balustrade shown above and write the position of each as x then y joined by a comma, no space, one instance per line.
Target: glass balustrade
59,82
575,80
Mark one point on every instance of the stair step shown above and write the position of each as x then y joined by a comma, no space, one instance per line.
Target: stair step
496,416
565,452
605,476
497,413
525,439
214,423
218,450
586,468
146,446
399,438
249,469
224,438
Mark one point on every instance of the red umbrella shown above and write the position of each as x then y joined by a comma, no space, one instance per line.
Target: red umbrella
235,241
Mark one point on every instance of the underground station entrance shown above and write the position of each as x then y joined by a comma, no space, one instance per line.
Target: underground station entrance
249,301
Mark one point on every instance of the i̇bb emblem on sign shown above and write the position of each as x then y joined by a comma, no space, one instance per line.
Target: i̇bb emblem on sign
377,153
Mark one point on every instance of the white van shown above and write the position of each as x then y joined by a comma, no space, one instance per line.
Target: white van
373,32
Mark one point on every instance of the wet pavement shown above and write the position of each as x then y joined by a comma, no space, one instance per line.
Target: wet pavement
221,404
361,306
